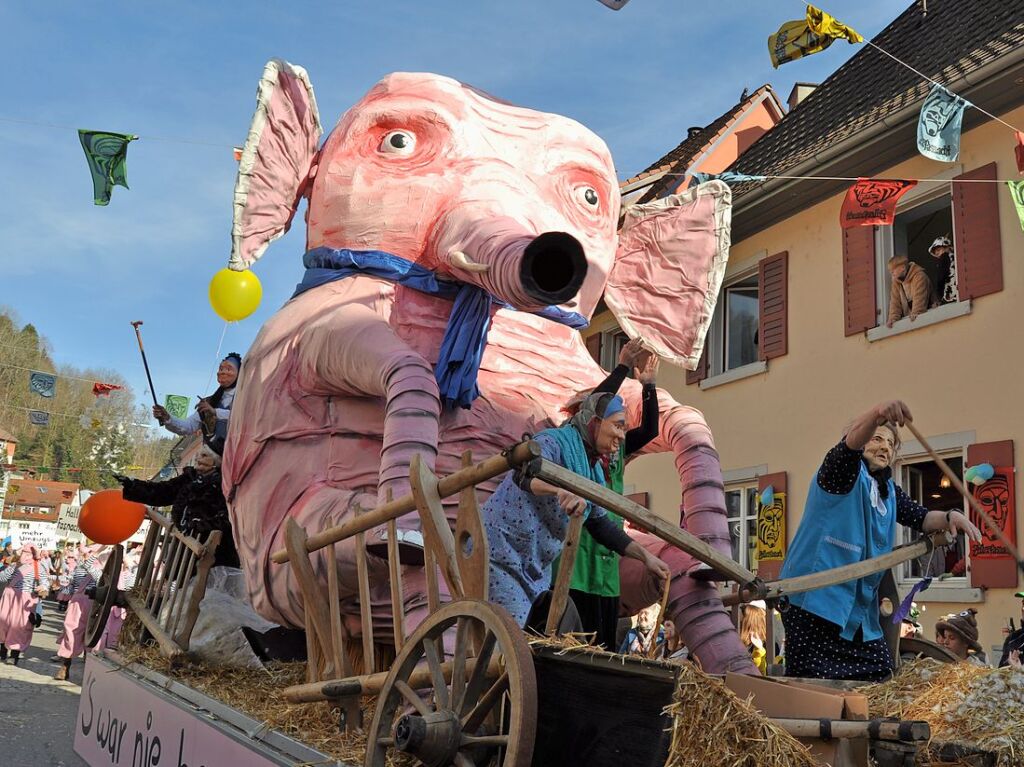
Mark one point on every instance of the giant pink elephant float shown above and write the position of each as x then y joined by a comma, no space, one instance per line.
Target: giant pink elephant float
442,222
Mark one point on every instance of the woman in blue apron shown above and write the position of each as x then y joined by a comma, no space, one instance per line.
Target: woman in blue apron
853,507
526,518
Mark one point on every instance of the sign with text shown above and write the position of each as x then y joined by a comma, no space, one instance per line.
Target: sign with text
771,529
122,723
67,524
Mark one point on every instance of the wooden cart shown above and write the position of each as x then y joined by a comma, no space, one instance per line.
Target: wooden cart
466,687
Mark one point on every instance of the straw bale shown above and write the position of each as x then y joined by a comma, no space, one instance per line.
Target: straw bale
712,725
975,706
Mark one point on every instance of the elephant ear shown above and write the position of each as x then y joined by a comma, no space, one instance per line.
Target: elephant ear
275,166
668,270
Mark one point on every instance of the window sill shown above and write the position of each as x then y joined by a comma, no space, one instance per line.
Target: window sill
736,374
930,317
939,593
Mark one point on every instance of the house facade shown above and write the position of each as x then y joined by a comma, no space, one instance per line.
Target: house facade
32,508
800,344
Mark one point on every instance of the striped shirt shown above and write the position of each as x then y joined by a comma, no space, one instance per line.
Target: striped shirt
24,578
85,575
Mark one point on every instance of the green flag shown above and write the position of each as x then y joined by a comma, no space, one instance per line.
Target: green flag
107,154
176,405
1017,193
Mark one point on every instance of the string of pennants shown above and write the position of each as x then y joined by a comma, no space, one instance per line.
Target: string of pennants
45,386
872,202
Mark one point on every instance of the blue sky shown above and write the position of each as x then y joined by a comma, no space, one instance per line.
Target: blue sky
637,77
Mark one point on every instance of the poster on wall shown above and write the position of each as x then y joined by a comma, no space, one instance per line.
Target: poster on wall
996,498
771,529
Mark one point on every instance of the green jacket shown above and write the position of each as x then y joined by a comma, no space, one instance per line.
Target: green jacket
597,567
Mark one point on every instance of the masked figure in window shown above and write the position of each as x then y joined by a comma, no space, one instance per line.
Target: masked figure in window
526,519
852,510
595,579
911,293
945,270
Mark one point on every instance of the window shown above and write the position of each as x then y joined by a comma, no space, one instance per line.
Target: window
733,336
914,230
925,483
604,346
741,508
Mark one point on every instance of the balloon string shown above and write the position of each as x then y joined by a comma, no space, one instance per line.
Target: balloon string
216,362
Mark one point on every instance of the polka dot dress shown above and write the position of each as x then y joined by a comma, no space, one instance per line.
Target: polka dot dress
815,650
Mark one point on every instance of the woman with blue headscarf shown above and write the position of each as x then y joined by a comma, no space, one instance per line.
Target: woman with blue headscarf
526,519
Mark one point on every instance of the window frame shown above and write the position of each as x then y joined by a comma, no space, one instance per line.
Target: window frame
716,342
748,490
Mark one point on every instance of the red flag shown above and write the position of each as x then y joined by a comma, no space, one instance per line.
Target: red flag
1019,152
872,202
103,389
238,153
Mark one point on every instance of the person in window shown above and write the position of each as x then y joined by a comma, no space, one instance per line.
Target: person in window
851,513
526,519
196,501
960,636
945,270
595,579
911,293
211,414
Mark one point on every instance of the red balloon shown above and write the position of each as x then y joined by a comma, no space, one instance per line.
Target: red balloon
108,518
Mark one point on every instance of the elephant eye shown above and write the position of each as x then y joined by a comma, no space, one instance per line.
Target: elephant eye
400,142
588,195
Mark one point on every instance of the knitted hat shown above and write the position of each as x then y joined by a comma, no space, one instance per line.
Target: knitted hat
965,625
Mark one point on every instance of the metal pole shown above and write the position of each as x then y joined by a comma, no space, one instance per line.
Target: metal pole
145,364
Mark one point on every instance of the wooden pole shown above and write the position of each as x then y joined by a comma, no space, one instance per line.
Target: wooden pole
876,729
447,486
661,618
397,595
560,593
955,480
644,519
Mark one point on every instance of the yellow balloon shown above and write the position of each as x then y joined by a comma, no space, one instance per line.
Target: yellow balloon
235,295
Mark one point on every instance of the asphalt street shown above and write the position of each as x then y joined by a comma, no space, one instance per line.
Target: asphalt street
37,714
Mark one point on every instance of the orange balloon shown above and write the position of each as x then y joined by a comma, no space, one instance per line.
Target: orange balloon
108,518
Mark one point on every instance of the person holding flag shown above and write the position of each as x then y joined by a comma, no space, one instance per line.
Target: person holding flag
212,412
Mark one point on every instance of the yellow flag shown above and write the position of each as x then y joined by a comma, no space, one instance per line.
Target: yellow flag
796,39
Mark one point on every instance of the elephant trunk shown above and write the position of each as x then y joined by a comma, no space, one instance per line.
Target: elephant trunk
525,270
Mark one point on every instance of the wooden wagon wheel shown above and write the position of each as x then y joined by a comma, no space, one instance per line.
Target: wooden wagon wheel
927,648
105,597
478,708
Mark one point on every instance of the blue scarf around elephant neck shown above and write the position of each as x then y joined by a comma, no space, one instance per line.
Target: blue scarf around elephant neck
465,336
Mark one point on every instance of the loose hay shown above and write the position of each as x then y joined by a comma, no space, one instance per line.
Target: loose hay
975,706
259,694
711,725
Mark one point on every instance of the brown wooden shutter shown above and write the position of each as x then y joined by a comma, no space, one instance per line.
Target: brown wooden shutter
644,499
773,305
992,573
979,252
698,375
769,570
593,343
859,306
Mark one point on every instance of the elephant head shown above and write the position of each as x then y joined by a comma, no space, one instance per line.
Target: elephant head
520,203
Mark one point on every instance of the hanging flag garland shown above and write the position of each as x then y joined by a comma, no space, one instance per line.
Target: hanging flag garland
938,126
872,202
1017,193
107,155
176,405
39,418
103,389
796,39
728,177
43,384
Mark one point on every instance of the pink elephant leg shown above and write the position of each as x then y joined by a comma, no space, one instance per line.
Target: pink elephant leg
357,353
694,607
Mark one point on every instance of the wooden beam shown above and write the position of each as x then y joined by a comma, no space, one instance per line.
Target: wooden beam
560,593
168,646
447,486
876,729
436,531
644,519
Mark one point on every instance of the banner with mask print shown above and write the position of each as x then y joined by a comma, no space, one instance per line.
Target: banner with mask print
872,202
997,499
938,125
176,405
43,384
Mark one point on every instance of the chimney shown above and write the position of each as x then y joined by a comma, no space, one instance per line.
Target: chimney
691,132
799,93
